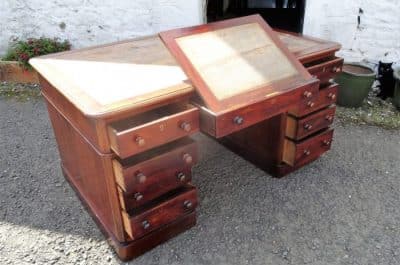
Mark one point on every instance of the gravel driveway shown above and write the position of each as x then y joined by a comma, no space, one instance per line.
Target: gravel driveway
342,209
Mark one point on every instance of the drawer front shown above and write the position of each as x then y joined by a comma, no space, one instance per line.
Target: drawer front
126,141
165,212
227,123
298,129
296,153
326,70
146,180
323,98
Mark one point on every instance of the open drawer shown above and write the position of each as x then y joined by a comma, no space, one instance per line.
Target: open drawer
296,153
324,97
153,128
325,69
149,175
298,129
167,209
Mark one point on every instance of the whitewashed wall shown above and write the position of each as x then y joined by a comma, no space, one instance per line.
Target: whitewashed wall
90,22
376,38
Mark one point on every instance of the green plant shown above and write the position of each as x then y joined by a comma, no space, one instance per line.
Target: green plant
22,51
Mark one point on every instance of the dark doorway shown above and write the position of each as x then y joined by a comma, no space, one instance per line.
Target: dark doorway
282,14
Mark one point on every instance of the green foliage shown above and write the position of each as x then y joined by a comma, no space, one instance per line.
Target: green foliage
22,51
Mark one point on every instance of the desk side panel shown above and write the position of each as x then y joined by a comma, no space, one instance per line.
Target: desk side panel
90,173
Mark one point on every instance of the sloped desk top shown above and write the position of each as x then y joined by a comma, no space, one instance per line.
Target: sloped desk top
135,73
114,77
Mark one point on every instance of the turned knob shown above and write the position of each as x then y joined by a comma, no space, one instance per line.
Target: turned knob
181,176
308,127
187,158
307,94
238,120
310,104
138,196
145,224
140,141
329,118
186,126
141,178
326,142
307,152
332,96
188,204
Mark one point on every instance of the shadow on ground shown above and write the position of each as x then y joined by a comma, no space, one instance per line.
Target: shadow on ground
342,209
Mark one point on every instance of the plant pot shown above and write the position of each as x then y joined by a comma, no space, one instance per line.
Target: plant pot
396,97
355,83
11,71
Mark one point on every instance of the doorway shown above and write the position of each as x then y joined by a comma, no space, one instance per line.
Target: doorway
281,14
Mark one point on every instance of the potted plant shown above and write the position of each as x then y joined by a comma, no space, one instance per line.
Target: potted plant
354,84
14,66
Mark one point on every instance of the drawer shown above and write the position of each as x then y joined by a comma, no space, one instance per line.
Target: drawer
296,153
326,70
166,210
153,128
149,175
223,124
324,97
298,129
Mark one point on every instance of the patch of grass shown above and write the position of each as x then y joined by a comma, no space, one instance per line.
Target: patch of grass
374,111
19,92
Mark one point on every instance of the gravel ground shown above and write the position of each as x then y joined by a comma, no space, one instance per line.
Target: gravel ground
342,209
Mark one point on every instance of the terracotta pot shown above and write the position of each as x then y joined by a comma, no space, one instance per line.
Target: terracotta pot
354,84
11,71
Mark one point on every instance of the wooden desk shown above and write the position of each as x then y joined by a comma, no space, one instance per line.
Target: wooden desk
123,133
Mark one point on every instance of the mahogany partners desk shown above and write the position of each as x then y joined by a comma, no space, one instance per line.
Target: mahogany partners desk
122,115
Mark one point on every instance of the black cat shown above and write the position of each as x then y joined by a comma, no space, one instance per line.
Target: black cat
386,80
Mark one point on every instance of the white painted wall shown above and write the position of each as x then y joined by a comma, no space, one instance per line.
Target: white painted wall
91,22
377,37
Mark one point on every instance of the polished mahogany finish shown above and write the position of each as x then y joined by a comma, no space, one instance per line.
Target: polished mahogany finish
295,153
170,207
326,96
153,128
126,150
298,129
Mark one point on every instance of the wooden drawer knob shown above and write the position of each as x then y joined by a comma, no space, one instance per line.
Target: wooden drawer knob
187,158
146,224
238,120
307,94
307,152
310,104
188,204
308,127
140,141
186,126
329,118
332,96
181,176
326,143
140,177
138,196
